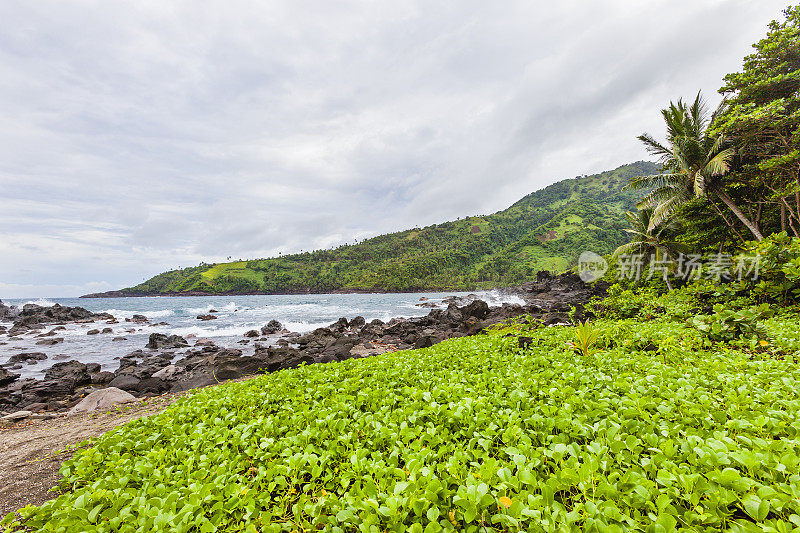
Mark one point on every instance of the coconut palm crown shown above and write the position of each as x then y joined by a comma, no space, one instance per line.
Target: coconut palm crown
693,159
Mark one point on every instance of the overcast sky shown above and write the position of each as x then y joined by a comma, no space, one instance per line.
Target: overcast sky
137,137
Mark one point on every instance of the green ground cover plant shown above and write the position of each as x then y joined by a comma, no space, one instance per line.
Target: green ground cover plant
659,430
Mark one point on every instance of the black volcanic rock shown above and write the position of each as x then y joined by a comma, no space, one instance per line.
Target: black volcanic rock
33,314
7,377
159,341
272,327
6,312
73,371
27,357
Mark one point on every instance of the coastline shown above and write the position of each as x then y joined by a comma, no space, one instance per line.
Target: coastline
196,361
151,294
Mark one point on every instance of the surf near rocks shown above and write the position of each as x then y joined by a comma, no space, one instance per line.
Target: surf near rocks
168,363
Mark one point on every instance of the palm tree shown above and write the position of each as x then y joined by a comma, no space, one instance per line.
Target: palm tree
693,161
648,241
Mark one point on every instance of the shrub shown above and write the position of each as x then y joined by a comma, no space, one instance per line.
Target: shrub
727,324
778,269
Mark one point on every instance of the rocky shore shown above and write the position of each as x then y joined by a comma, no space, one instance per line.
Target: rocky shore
171,364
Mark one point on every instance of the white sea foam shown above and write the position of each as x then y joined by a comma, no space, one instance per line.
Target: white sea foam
41,301
229,331
495,298
227,308
124,313
305,327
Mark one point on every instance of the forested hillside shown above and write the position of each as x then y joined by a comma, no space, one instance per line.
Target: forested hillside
546,229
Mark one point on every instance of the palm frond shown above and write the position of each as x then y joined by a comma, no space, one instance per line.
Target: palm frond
665,210
655,147
627,248
720,163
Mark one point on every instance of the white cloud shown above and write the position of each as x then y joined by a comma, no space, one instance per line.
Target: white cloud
140,137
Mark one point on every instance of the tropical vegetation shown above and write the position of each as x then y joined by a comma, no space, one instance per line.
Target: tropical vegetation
643,423
663,410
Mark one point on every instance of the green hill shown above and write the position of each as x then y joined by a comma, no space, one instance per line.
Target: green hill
545,230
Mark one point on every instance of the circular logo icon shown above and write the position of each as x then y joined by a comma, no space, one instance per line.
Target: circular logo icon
591,266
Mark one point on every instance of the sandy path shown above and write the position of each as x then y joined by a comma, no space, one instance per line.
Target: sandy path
31,452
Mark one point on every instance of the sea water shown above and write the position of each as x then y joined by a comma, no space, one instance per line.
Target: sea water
178,316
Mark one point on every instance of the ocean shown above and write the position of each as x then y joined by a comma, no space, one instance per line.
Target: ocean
235,316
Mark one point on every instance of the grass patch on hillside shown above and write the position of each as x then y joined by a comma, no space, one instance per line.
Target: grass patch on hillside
473,434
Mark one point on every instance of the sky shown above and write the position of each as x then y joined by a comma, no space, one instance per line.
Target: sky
138,137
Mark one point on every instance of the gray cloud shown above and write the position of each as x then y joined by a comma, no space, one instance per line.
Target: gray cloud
140,137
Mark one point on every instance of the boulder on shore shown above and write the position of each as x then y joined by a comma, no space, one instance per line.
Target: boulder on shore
6,312
27,357
159,341
272,327
102,399
73,371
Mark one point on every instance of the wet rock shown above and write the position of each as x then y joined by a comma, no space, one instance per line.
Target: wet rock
45,391
93,332
33,314
125,382
7,312
272,327
27,357
477,309
50,342
152,386
159,341
357,322
205,368
107,330
72,371
7,377
340,325
138,319
102,378
251,333
206,317
275,359
117,339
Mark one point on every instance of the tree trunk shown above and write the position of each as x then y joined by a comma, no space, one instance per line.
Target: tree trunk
783,218
736,211
725,219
